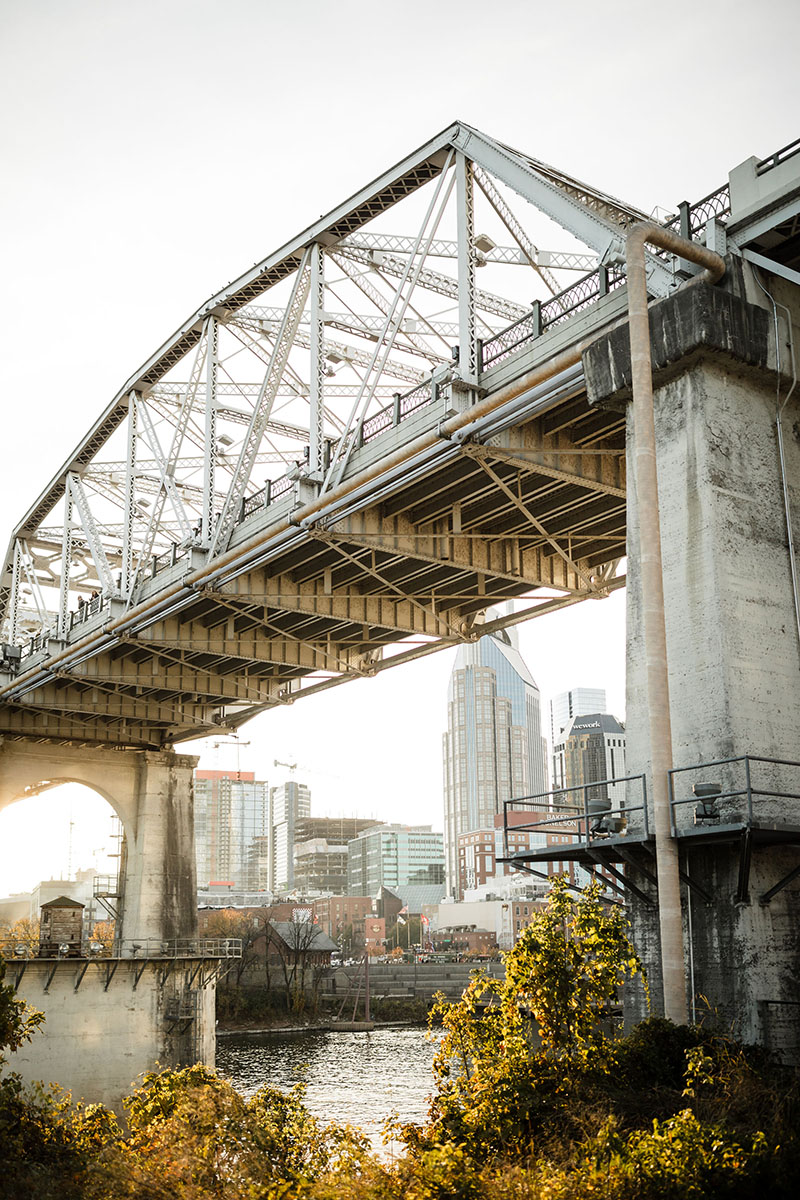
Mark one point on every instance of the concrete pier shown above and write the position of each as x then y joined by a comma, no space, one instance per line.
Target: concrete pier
109,1019
732,642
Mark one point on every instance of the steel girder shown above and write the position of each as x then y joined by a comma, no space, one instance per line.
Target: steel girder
164,474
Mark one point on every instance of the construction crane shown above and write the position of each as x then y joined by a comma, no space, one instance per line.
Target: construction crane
234,741
306,770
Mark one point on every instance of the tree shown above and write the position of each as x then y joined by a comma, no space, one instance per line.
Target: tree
103,933
510,1047
18,1021
224,924
567,966
192,1134
294,945
23,932
406,935
351,940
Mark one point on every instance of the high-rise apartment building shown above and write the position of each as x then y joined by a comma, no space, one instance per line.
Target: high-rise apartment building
288,804
577,702
230,812
493,748
394,856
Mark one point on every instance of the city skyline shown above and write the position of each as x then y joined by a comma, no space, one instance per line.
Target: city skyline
77,222
344,763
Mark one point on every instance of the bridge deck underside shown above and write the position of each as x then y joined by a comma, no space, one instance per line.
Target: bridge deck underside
537,512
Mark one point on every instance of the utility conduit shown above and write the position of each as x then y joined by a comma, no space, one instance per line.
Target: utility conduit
652,585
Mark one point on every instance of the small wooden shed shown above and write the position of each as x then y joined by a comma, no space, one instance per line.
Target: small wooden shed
60,928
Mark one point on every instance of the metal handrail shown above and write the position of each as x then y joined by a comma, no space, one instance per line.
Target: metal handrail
780,156
145,949
544,315
37,642
734,794
386,418
581,814
168,558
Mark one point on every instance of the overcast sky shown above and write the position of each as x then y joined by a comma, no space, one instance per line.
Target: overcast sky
153,150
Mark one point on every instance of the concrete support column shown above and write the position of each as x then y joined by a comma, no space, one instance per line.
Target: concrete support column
159,882
732,642
152,794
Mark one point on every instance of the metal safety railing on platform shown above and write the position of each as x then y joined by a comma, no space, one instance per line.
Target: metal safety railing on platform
732,797
153,948
595,817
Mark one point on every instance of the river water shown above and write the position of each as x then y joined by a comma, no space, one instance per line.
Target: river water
352,1078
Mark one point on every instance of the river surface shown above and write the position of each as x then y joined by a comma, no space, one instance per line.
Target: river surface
353,1078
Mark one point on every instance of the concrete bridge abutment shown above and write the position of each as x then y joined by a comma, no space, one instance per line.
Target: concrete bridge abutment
107,1020
732,643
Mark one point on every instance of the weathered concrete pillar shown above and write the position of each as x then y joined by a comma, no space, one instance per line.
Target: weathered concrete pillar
109,1019
159,888
152,794
732,639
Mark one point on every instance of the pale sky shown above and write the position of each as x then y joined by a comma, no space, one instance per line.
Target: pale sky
154,150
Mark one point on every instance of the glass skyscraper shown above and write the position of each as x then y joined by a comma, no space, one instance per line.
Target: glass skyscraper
493,748
288,804
394,856
230,812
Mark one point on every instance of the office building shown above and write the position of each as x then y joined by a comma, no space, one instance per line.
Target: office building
337,915
591,749
320,853
493,748
577,702
230,812
394,857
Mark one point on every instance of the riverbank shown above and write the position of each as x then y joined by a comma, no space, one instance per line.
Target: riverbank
315,1027
254,1010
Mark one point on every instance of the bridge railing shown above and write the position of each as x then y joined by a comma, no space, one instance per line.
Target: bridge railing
18,950
86,610
546,314
38,642
780,156
590,817
168,558
691,219
392,415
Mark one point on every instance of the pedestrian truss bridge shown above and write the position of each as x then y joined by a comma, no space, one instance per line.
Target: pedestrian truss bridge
351,456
